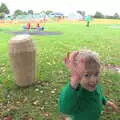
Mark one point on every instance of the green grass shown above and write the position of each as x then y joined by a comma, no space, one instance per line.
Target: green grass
39,101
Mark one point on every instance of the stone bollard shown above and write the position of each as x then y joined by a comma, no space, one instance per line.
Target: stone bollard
22,56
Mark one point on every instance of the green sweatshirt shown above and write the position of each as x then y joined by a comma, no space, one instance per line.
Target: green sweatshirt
82,104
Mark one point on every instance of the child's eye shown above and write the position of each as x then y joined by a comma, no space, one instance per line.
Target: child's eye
96,74
86,75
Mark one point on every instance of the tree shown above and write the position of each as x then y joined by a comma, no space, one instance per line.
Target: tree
98,15
25,13
18,12
30,12
109,16
48,12
82,13
2,15
4,8
43,12
116,16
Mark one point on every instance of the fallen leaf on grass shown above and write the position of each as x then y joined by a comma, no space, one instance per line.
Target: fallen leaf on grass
41,91
52,92
36,89
30,118
12,108
46,114
25,99
18,102
27,118
109,81
35,102
7,118
42,108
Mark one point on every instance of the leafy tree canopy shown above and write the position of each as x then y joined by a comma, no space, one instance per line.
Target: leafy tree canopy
82,13
18,12
98,15
2,15
30,12
4,8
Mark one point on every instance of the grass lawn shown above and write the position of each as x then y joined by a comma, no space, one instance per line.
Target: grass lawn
40,102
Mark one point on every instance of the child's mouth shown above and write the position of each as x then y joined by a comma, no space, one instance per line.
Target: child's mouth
92,86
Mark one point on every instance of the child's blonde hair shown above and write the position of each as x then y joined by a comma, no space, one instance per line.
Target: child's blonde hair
90,58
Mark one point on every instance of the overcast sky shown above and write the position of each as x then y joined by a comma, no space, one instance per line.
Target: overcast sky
107,7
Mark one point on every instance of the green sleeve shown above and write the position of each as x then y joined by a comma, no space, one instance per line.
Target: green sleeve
104,100
68,100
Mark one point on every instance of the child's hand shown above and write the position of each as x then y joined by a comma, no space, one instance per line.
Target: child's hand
112,105
69,60
76,69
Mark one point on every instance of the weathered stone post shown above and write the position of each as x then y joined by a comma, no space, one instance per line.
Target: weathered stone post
22,56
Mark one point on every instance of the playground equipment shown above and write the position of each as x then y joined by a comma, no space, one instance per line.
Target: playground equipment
37,28
22,57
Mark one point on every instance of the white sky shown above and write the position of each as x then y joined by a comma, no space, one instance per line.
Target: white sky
107,7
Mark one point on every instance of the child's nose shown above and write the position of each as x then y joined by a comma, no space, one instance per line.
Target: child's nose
94,79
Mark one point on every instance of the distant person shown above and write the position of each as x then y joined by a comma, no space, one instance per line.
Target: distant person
39,28
27,27
82,98
88,20
38,25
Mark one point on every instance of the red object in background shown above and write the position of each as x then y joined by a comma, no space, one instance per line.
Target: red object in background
38,25
28,26
7,118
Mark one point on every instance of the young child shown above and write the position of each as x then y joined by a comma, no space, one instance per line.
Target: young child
28,26
39,28
82,98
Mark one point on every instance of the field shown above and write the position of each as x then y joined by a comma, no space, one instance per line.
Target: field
40,102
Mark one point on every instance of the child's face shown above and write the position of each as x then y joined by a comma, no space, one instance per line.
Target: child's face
90,79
